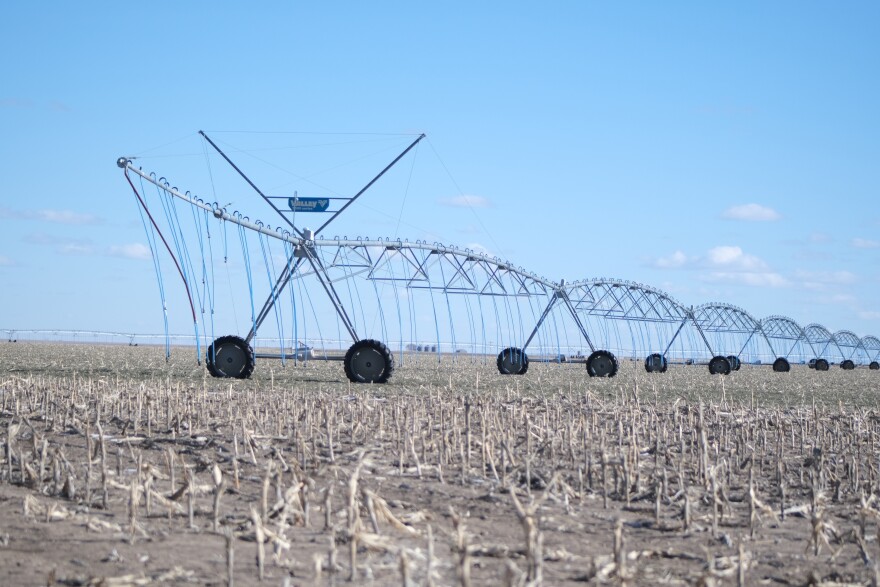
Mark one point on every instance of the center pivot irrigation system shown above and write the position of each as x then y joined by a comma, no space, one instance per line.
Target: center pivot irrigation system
417,297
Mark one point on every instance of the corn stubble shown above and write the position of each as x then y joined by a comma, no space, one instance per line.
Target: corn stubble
452,474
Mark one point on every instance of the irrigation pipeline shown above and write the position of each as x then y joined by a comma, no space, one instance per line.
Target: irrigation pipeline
609,311
287,236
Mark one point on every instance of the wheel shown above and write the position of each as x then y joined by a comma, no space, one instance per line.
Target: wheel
734,361
821,365
512,361
230,356
601,364
368,361
656,363
719,366
781,365
874,366
847,365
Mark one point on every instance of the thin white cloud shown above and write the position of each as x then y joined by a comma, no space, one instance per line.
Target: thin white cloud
137,251
730,264
863,243
65,217
732,258
751,213
466,202
819,237
673,261
869,315
837,299
725,264
754,279
73,248
61,244
6,261
822,279
50,215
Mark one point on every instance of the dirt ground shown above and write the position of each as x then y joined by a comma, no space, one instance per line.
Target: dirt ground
451,474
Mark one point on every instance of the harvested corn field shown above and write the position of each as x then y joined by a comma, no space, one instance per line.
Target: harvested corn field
121,469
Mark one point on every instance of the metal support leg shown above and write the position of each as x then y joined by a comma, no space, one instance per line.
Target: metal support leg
702,334
577,320
792,348
674,336
767,340
279,286
748,340
540,321
331,293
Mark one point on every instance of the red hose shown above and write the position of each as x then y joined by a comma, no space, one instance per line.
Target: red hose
173,258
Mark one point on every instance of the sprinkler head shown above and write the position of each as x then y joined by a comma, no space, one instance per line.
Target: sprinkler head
122,162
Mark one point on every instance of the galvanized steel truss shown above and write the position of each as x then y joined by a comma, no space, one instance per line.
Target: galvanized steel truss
452,270
782,328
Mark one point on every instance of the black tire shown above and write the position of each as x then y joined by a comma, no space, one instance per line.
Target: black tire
230,356
602,364
874,366
821,365
781,365
847,365
512,361
734,361
368,361
656,363
719,366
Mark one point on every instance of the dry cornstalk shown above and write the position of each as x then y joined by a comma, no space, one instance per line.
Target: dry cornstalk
260,537
229,539
219,486
404,568
328,507
133,499
463,568
619,552
429,565
104,472
533,536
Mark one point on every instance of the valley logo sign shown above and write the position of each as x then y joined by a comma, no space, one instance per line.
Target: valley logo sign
308,204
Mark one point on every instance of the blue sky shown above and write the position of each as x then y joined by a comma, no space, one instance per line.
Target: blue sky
720,152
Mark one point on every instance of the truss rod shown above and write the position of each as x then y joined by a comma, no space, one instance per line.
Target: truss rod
703,336
541,320
748,340
279,286
697,326
252,184
674,336
577,320
372,181
320,273
772,350
792,348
